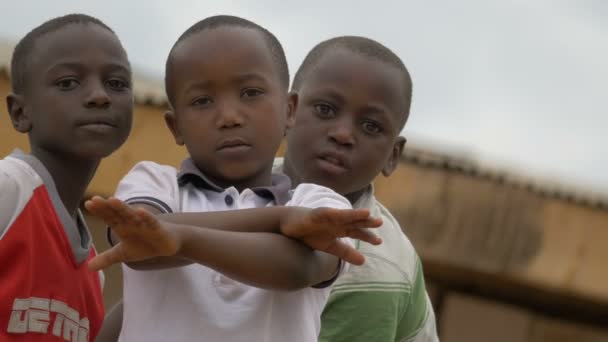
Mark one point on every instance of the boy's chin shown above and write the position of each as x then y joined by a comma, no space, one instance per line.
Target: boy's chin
95,151
340,185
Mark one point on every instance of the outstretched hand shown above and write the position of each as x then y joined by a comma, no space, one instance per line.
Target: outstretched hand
142,235
322,228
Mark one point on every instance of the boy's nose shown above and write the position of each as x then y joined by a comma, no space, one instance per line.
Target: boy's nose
342,134
98,96
229,117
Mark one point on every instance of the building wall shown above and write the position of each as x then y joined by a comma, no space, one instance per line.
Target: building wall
501,228
503,262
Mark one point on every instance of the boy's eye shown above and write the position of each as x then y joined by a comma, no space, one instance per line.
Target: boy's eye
251,92
118,84
202,101
371,127
67,83
324,111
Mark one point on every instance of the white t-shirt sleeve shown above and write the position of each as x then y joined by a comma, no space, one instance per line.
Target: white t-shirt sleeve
152,184
316,196
17,184
9,192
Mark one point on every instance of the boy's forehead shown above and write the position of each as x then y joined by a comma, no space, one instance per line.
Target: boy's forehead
346,70
245,48
74,41
341,62
219,37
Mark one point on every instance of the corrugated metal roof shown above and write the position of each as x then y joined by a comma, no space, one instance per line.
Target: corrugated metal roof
545,188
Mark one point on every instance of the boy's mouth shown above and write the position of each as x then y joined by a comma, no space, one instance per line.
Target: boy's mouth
98,125
233,145
332,162
99,120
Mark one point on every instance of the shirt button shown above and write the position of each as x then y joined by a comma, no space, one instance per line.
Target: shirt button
228,199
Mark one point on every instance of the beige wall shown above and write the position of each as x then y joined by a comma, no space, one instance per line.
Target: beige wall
471,319
501,229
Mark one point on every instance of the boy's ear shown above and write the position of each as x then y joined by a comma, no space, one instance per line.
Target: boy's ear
15,107
393,160
171,122
292,105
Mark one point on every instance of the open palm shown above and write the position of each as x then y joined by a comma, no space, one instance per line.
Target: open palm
141,234
323,228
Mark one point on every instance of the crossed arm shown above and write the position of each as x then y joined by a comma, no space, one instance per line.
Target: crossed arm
242,244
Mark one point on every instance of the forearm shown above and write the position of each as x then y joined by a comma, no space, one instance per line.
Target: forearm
264,260
244,220
259,220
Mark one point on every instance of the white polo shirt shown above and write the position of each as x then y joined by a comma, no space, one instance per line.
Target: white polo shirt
196,303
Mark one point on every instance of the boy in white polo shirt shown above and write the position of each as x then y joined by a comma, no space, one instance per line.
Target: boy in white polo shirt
226,80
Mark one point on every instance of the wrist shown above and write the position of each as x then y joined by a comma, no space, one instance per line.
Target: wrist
291,218
182,236
284,218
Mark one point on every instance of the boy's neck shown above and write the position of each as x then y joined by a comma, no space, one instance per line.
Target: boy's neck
353,197
262,180
71,176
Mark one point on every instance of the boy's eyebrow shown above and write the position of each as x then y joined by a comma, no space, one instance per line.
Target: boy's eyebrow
195,85
252,76
331,93
373,108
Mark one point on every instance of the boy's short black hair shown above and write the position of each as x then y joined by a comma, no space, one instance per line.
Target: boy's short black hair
362,46
218,21
23,49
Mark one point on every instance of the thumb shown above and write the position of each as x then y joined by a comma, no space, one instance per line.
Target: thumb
346,252
106,259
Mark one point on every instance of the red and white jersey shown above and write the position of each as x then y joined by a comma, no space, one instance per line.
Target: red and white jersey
47,293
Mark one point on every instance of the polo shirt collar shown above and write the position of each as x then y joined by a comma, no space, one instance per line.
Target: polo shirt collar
279,191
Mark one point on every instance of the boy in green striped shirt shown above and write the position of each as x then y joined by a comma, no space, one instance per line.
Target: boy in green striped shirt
353,98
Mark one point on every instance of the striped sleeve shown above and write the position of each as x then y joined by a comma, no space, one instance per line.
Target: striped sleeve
363,312
417,320
379,311
152,184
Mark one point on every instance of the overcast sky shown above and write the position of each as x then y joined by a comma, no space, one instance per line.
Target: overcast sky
516,84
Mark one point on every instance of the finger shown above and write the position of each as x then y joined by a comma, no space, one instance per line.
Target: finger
91,201
93,204
146,218
340,216
364,235
106,259
123,211
100,207
367,223
349,216
346,252
89,206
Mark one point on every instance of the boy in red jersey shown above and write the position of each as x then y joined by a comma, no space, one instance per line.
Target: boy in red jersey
71,93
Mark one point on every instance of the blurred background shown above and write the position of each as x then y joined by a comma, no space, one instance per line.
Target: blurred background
503,185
